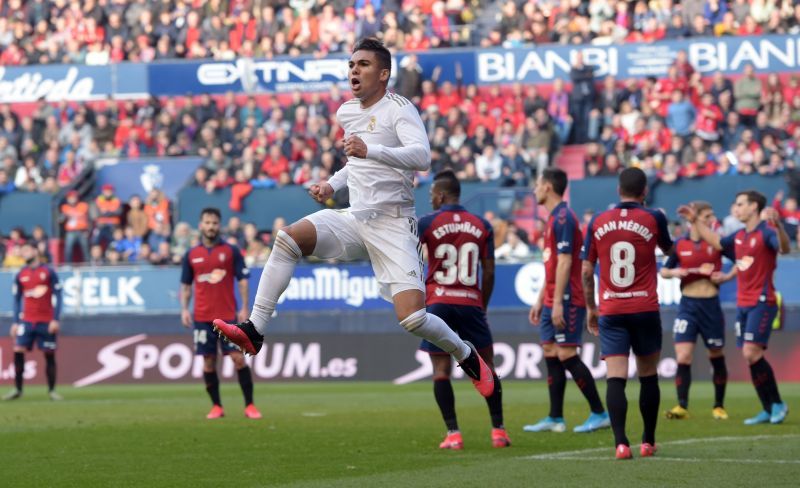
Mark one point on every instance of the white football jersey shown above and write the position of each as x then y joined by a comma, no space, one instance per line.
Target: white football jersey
397,146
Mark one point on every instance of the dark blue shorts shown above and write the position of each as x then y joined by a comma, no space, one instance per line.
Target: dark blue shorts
700,316
469,322
754,324
571,335
638,331
207,342
28,333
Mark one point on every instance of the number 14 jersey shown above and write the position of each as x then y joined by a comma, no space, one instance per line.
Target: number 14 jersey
623,240
456,241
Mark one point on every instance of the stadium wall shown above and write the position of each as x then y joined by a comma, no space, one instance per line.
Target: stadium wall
599,192
542,64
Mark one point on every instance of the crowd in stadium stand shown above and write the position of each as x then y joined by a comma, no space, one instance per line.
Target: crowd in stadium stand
679,126
100,32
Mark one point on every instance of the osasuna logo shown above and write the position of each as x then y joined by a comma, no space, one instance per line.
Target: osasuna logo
151,177
529,282
137,358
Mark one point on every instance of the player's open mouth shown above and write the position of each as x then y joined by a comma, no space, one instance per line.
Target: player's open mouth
355,83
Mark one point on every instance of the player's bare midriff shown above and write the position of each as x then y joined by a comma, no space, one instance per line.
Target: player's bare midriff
700,289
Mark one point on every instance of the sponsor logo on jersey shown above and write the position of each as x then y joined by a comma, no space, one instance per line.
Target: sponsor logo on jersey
198,260
213,277
744,263
37,292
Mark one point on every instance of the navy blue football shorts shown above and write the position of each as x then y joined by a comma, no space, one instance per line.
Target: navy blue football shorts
571,335
701,316
207,341
638,331
469,322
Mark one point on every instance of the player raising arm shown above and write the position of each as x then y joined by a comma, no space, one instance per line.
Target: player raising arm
623,241
385,142
755,249
561,310
699,267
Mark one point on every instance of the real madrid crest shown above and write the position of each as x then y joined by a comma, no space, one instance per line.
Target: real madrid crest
371,125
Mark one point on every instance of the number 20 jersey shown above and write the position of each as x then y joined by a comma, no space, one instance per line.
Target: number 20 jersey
623,240
457,241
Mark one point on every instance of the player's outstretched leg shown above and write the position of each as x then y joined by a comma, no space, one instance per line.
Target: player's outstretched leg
19,370
598,419
249,335
556,385
433,329
720,378
50,370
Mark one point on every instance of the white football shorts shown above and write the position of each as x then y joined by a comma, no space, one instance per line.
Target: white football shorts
391,244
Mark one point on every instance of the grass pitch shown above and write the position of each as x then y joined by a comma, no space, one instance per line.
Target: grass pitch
374,434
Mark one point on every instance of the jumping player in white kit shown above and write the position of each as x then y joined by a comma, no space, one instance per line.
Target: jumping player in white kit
385,143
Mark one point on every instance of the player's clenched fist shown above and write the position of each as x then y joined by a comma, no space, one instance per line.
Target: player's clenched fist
321,192
355,147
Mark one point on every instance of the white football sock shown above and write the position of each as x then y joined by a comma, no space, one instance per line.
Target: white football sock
435,330
274,279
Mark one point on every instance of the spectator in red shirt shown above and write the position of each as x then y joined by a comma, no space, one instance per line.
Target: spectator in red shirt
700,167
275,163
709,117
789,213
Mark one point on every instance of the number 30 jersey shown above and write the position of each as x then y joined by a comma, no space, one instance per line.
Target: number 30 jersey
456,241
623,240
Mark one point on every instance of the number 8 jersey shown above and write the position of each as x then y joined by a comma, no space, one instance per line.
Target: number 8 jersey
457,241
623,240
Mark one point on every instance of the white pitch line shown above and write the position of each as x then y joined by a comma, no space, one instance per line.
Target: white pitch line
681,442
685,460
